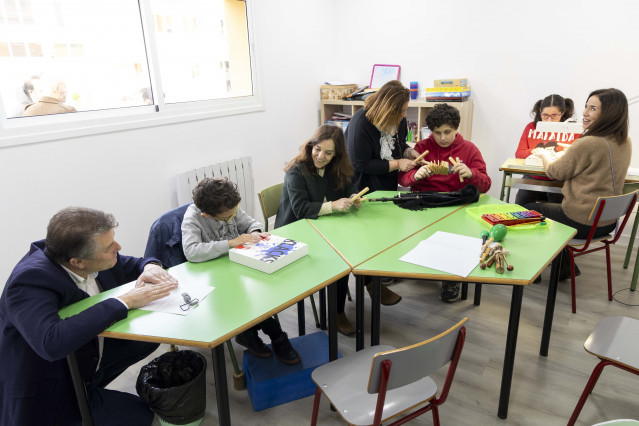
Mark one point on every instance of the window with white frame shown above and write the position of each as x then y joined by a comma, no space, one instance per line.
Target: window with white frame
71,57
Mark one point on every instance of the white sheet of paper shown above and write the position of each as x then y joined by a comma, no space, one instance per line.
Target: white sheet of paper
171,303
443,251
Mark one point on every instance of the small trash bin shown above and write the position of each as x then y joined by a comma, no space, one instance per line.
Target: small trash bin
174,387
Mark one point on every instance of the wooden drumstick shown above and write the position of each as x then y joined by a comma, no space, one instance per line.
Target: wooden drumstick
454,163
422,155
358,195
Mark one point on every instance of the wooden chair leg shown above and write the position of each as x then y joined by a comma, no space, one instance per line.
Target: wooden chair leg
592,381
316,402
239,380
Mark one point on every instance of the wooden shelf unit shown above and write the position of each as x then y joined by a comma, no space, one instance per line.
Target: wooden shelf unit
330,106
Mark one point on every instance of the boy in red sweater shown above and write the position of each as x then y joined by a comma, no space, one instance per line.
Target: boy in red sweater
442,144
469,167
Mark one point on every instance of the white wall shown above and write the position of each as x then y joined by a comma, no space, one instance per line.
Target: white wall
512,52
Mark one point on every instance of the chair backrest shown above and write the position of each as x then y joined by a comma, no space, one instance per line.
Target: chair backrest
614,207
270,201
415,362
165,238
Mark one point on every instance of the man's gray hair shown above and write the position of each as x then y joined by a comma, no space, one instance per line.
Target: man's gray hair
72,231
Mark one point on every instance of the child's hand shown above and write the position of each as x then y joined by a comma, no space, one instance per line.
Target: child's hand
463,170
342,204
422,173
244,239
261,234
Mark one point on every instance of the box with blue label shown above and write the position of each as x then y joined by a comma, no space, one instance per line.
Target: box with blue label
270,254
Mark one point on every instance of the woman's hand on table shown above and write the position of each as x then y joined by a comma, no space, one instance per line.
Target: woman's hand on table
545,156
541,152
342,204
357,203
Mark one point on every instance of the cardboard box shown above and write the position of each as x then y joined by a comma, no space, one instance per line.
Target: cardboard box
451,82
329,91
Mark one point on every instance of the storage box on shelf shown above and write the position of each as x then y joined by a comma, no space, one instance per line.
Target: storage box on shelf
330,91
330,106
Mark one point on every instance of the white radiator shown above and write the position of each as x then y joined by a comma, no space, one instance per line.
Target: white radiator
239,171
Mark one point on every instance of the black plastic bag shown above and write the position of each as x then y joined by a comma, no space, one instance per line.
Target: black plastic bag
174,386
422,200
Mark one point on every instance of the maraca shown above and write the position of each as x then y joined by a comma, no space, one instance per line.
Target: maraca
497,233
484,236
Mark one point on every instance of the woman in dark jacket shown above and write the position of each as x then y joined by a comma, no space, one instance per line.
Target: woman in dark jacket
318,181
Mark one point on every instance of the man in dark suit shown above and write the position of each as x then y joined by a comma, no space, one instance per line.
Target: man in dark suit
78,259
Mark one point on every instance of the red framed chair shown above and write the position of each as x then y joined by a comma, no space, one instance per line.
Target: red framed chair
606,208
614,342
381,382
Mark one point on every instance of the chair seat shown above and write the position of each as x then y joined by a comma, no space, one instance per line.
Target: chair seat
614,342
581,242
349,395
615,339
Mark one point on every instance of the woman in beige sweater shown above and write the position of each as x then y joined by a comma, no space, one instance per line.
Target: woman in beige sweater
594,166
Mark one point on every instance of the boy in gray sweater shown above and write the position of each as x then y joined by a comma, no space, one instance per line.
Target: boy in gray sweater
213,225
